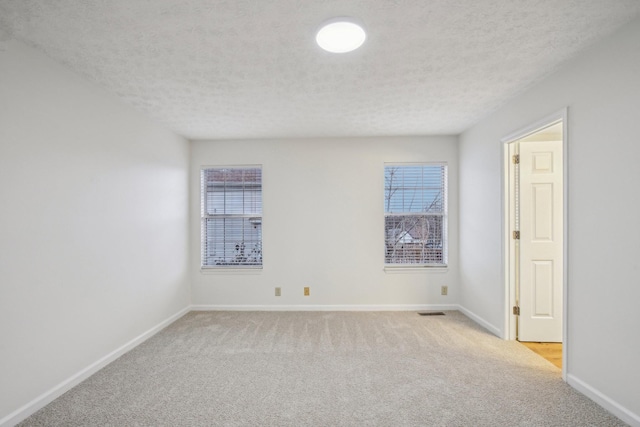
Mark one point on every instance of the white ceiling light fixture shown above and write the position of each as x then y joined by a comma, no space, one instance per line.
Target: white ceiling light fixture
340,35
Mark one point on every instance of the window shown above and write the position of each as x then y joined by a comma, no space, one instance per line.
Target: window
231,215
415,210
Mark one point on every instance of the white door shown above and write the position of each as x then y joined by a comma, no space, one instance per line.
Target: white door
541,246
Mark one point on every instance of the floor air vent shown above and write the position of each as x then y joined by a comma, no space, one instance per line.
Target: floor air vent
431,313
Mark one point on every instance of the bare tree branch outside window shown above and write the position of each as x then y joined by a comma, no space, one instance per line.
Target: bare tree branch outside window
415,214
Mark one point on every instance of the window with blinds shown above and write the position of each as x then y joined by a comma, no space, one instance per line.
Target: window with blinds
415,210
231,215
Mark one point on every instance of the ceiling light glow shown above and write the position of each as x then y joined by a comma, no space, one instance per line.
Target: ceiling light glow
340,35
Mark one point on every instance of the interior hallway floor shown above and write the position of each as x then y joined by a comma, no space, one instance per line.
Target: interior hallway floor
552,351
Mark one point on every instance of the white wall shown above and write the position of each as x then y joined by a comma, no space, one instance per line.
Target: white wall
602,90
93,225
324,223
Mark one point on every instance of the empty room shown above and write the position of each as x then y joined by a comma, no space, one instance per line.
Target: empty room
319,213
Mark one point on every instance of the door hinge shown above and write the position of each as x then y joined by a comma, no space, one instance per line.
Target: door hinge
516,310
516,159
516,235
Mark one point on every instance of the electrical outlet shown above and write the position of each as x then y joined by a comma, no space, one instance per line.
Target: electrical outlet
444,290
306,291
278,292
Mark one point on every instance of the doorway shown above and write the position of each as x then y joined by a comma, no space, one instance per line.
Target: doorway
535,232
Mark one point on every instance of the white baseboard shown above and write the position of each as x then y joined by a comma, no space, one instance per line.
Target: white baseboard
338,307
480,321
49,396
606,402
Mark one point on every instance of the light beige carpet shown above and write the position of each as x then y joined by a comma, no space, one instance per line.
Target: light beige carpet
325,369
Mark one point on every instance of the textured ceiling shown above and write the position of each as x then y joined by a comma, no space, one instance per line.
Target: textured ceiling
251,69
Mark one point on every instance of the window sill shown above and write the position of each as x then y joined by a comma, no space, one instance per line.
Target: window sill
231,270
400,269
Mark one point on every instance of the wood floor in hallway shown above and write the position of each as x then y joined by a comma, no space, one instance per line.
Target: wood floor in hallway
552,351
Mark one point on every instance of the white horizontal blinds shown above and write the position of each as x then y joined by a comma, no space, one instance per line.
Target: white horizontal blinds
231,217
415,214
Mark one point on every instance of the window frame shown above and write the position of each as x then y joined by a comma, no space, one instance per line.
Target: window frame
204,216
444,214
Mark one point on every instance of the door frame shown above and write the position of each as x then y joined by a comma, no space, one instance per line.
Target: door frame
507,253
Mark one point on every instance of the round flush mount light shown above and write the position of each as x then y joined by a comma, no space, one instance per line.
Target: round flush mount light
340,35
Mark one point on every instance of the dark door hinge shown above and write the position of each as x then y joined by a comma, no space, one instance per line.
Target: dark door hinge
516,310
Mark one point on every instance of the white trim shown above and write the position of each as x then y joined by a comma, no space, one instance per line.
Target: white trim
395,269
444,214
231,270
480,321
211,269
545,122
605,401
47,397
426,162
509,333
507,250
565,239
315,307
